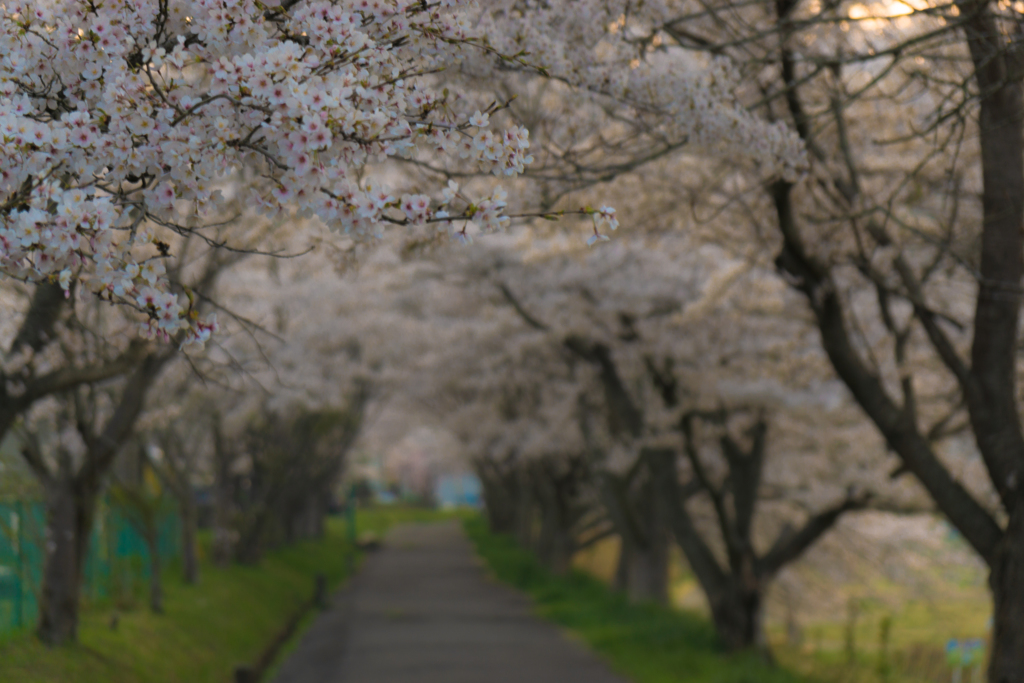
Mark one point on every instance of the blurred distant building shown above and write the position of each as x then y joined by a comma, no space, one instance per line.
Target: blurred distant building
457,490
423,466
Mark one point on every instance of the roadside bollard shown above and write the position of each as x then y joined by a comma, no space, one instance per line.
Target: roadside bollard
245,674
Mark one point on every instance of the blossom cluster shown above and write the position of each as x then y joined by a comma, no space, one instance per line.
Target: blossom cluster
605,215
617,50
118,117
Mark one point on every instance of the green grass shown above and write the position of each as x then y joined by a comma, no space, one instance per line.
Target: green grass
651,644
231,616
645,643
916,647
381,519
207,630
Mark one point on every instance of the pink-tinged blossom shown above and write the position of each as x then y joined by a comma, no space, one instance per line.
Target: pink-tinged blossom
141,141
449,193
606,216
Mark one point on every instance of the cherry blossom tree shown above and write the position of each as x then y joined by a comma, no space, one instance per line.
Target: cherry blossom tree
645,502
907,283
87,430
177,444
76,380
564,411
900,234
115,118
140,497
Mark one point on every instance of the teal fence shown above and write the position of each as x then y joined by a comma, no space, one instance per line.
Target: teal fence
116,565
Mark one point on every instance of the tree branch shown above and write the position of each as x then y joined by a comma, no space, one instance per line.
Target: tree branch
48,302
67,379
523,313
118,428
973,521
789,546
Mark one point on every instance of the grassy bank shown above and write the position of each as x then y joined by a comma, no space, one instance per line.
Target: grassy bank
646,643
206,630
903,646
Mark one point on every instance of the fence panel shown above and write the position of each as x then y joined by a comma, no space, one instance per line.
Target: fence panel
116,565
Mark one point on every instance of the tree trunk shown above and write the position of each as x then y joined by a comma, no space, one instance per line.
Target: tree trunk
524,510
562,550
555,544
189,554
499,496
648,568
306,521
621,579
252,535
317,526
223,534
736,608
1007,583
738,617
992,394
156,585
69,515
58,608
222,528
646,577
641,517
556,549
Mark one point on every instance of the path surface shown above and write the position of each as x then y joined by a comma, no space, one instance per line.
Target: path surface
422,611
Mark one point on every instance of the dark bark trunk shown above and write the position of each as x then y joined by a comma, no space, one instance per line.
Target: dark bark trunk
992,392
222,512
735,600
189,554
621,578
738,618
640,515
1007,583
644,560
499,492
649,571
69,514
305,521
647,574
501,518
314,518
251,539
58,608
525,510
557,552
71,505
642,569
316,521
989,381
554,543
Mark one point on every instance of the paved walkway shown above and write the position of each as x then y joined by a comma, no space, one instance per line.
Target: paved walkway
422,611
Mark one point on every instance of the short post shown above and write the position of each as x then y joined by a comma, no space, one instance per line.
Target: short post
245,674
320,592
